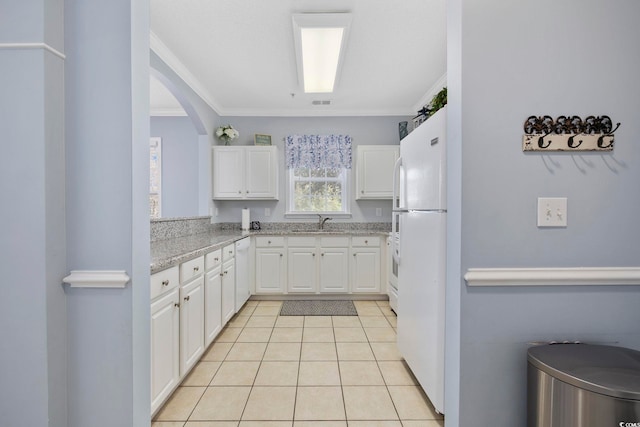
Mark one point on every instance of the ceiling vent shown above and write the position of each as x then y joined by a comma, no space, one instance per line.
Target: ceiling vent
321,102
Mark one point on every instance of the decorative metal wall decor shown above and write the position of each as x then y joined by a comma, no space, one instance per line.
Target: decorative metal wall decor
568,133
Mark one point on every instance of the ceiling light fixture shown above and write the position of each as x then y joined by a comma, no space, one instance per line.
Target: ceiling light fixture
320,40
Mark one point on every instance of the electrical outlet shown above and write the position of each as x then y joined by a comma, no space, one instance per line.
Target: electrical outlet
267,212
552,211
378,211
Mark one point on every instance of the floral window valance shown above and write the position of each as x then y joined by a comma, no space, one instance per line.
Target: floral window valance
318,151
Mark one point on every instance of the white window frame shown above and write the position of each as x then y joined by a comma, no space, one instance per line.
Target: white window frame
156,143
346,205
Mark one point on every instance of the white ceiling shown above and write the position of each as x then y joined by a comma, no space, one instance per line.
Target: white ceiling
239,55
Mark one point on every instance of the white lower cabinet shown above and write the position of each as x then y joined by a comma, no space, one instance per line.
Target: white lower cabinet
270,270
212,304
302,269
318,265
165,346
334,268
228,286
365,264
191,323
270,265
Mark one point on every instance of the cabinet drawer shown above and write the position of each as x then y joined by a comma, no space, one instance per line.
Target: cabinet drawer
334,242
269,242
191,269
164,280
304,242
228,252
365,241
213,259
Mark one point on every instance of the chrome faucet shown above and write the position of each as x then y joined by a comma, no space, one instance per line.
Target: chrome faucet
321,221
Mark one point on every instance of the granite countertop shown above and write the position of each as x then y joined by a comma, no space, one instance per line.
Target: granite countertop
169,252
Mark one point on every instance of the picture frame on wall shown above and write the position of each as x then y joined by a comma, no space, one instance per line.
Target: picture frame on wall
261,139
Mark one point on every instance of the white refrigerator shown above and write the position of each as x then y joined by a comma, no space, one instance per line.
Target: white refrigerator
420,213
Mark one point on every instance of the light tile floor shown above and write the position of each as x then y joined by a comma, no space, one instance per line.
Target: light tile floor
266,370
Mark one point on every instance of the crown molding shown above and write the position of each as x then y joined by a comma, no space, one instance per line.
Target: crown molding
172,61
312,112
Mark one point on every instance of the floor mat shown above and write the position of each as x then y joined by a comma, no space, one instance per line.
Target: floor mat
318,308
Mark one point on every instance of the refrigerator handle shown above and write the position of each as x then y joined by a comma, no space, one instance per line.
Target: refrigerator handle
396,181
395,247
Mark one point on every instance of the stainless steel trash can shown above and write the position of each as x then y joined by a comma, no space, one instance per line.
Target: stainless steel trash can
582,385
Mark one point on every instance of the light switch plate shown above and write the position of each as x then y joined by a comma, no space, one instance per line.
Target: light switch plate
552,211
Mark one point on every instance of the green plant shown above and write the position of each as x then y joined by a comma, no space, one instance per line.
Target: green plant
438,101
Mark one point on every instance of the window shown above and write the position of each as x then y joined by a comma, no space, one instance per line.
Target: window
155,178
319,169
318,190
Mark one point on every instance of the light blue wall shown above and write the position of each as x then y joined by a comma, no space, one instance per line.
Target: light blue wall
363,130
204,119
179,165
32,249
535,58
107,159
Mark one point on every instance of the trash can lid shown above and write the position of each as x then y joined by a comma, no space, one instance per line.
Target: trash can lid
608,370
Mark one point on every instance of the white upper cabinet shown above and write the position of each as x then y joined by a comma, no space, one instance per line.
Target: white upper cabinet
374,179
245,173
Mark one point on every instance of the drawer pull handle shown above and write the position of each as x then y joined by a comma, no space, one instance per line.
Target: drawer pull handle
269,242
280,254
366,242
239,191
221,274
314,254
196,268
176,305
354,254
216,259
187,298
165,282
322,254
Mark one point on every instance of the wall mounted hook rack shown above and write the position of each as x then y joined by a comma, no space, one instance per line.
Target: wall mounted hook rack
568,133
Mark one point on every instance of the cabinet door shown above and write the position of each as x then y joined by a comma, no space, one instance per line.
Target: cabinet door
302,270
270,273
365,270
165,347
191,323
228,173
375,171
228,290
261,175
334,270
212,305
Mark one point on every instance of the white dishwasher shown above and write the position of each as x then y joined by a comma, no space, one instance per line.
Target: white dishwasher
242,272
